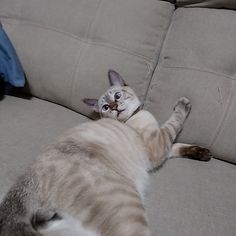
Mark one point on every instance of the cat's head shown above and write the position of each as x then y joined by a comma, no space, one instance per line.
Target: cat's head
119,102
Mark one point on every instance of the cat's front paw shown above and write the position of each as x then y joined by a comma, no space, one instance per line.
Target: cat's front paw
183,104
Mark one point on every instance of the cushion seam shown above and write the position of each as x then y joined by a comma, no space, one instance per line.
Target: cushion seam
85,41
201,70
224,116
157,59
75,70
93,20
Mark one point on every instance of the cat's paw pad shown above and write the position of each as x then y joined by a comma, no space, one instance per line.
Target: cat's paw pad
197,153
183,104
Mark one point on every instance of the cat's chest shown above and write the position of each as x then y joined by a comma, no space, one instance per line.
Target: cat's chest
142,120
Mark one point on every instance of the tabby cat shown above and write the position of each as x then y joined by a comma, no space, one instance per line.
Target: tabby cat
91,182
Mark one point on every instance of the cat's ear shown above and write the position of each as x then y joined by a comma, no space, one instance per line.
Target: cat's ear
92,103
115,78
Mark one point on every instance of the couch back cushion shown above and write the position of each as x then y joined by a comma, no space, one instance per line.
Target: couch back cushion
67,47
198,61
229,4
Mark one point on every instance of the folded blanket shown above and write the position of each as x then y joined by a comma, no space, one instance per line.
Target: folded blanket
10,67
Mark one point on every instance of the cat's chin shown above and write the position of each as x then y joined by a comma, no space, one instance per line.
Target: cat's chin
123,116
122,119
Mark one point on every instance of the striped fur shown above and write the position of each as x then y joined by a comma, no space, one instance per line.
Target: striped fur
92,181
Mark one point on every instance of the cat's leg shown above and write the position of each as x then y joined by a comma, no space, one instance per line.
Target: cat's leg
173,126
160,141
190,151
167,134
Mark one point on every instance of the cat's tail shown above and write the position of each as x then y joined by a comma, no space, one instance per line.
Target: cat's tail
20,214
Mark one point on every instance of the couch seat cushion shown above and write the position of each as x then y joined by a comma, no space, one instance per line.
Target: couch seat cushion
198,61
27,127
191,198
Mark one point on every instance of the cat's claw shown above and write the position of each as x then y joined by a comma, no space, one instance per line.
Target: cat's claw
183,104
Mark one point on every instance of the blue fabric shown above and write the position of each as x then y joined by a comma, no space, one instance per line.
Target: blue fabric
10,66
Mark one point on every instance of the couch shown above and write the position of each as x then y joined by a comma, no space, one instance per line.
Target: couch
164,50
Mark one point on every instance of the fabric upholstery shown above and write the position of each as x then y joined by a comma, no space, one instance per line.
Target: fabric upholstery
230,4
201,66
71,45
27,127
191,198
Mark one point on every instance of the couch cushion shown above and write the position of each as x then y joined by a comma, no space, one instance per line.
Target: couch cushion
190,198
27,127
230,4
198,61
67,47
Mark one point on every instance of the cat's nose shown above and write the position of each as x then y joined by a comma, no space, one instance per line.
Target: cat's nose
113,105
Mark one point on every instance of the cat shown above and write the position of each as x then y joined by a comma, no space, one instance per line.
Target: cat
121,103
92,180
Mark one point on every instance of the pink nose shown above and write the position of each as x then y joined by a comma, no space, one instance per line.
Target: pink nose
113,105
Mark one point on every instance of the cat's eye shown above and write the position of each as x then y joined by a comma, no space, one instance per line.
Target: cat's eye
117,96
105,107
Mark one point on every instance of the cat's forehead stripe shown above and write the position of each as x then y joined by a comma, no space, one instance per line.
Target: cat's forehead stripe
108,96
101,100
123,90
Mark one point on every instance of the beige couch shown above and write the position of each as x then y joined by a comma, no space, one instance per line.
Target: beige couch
164,52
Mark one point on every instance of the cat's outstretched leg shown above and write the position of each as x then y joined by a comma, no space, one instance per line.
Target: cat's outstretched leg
160,144
174,124
190,151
